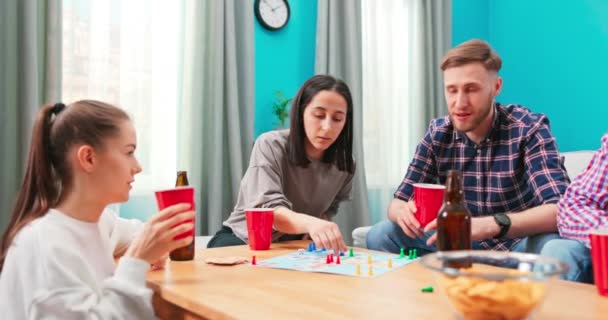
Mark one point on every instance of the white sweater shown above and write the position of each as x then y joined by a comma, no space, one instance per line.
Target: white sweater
62,268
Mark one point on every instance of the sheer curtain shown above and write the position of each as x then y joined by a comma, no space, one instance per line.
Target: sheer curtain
403,42
128,53
391,72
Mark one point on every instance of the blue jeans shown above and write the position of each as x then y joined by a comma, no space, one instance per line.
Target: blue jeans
575,254
388,236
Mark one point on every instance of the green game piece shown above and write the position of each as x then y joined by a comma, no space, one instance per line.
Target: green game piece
351,253
414,254
410,254
402,254
427,289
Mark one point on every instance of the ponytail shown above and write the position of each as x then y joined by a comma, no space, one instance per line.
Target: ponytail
48,172
38,191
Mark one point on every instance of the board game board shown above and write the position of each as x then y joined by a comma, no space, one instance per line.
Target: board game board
316,261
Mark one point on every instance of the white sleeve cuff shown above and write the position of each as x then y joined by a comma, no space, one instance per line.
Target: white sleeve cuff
132,270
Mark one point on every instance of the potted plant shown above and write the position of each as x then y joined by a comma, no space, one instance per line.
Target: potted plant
280,108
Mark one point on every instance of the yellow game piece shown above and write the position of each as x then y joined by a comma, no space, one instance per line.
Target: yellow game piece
390,262
371,270
358,269
369,259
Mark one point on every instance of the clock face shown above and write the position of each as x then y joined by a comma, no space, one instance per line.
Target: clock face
272,14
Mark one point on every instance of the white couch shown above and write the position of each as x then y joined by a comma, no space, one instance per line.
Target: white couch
575,162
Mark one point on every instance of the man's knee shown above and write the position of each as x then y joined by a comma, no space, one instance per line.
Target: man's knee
378,236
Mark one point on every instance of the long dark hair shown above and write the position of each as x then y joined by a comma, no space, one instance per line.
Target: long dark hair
340,153
48,174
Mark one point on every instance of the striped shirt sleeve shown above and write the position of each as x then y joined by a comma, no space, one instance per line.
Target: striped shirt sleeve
584,206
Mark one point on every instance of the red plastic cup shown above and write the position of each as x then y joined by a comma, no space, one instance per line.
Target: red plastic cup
259,227
599,257
167,198
428,198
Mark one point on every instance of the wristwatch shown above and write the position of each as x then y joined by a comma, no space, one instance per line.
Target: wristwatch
504,222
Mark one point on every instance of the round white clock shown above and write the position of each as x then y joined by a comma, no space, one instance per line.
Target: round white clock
272,14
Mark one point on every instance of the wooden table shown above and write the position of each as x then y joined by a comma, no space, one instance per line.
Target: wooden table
195,290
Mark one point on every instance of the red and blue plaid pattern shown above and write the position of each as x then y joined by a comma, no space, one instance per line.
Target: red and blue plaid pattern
516,167
584,206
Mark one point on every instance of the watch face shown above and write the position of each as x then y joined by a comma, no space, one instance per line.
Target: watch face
272,14
503,219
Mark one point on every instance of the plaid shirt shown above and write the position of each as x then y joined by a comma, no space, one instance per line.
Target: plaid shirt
516,167
584,206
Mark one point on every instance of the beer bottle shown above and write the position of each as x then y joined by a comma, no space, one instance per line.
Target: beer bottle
454,221
187,252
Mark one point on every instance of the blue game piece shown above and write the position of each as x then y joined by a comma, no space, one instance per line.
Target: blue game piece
310,247
342,253
323,249
314,247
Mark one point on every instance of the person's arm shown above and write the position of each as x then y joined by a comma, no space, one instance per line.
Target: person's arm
548,180
69,295
540,219
422,169
123,231
584,206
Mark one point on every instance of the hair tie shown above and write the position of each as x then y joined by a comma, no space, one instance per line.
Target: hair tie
58,107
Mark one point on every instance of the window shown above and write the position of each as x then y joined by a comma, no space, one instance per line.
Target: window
389,65
128,53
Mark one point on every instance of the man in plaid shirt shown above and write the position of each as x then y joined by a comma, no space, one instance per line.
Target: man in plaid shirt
512,172
582,208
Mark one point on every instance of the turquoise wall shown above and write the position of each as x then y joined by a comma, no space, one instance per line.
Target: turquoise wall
284,59
553,59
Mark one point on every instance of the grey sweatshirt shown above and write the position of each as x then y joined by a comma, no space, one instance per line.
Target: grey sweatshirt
271,181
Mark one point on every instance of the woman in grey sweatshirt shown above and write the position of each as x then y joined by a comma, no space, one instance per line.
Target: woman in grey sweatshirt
302,173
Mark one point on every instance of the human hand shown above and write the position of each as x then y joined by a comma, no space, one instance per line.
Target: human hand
482,228
402,213
157,237
326,234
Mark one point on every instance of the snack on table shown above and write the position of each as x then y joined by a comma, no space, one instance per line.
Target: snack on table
485,299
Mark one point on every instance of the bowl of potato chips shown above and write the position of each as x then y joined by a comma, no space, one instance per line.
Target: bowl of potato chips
493,284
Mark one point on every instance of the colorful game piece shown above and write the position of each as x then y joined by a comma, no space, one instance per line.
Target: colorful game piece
325,262
415,254
390,263
323,249
310,247
369,259
410,254
253,262
427,289
402,253
342,253
314,246
371,271
351,253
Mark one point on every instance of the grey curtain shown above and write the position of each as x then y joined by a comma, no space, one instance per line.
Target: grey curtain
216,132
30,75
338,53
435,27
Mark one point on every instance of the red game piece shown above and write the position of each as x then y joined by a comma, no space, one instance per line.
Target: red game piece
253,262
337,259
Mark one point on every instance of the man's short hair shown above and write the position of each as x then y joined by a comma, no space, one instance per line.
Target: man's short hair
471,51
